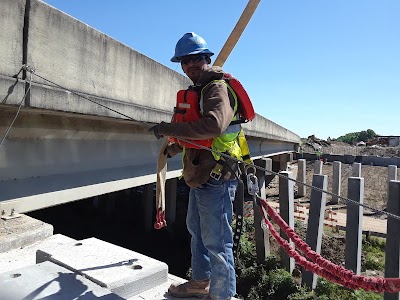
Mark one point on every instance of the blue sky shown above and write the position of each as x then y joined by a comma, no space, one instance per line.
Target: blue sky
312,66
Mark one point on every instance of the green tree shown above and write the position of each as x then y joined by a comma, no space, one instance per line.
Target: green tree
354,137
371,133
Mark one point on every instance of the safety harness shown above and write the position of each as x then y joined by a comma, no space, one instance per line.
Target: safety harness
232,142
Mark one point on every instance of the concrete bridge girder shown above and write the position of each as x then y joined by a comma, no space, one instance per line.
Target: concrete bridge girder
51,158
64,148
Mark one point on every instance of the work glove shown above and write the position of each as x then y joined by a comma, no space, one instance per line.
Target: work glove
155,131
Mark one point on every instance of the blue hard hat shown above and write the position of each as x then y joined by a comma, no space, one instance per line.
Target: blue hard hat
190,44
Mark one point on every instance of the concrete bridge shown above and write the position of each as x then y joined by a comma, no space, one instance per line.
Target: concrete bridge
62,147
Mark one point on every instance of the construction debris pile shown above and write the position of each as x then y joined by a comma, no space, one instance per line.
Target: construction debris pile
316,143
379,146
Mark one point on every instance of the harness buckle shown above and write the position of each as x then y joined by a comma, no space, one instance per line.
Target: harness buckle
216,172
214,175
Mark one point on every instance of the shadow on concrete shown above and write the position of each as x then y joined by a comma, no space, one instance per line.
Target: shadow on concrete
11,88
70,288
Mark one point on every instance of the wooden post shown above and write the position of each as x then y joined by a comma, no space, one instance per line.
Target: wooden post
315,223
286,210
336,181
318,167
259,232
356,171
354,225
267,178
283,162
392,250
290,157
301,177
392,175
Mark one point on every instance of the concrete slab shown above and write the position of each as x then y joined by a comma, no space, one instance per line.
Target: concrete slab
49,281
26,256
24,230
124,272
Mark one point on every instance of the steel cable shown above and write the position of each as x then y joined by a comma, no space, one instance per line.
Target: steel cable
19,108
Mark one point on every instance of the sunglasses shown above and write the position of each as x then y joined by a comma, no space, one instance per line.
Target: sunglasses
194,59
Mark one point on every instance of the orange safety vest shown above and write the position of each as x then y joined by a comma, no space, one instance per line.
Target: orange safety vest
187,109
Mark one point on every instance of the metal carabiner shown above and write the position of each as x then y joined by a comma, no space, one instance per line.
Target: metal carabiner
28,68
252,184
246,168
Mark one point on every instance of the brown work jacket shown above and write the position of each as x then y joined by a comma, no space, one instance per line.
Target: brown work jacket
216,117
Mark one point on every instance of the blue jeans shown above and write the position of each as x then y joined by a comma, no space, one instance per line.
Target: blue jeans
208,220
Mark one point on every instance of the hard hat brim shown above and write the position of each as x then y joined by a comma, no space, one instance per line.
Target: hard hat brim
205,51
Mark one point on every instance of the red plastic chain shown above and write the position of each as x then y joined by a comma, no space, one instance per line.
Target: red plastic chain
160,219
321,266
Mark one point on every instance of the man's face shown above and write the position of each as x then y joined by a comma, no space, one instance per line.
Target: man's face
193,65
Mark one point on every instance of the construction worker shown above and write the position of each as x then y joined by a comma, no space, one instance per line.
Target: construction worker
212,189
